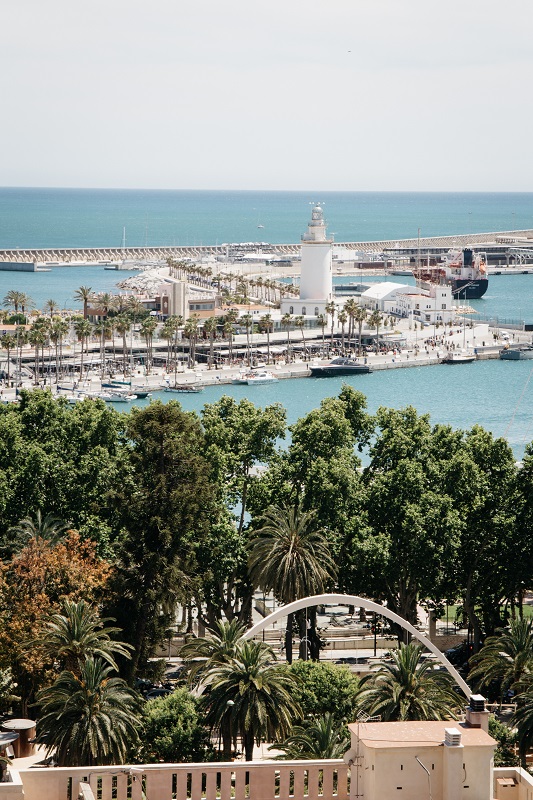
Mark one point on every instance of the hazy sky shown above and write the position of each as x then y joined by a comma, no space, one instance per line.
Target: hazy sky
284,94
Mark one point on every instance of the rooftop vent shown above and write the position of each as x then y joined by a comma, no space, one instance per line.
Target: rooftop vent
477,702
452,737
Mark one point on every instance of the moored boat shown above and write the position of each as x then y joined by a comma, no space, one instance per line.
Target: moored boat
183,388
459,358
464,270
521,353
340,366
255,377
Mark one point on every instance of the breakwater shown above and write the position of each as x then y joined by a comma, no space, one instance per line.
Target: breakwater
70,255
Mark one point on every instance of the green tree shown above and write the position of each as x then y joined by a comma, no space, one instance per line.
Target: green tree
286,322
267,326
84,295
408,689
201,654
374,321
322,739
148,328
322,321
321,688
403,545
90,720
75,634
331,310
252,696
49,528
239,436
289,556
505,753
210,328
157,550
8,343
174,731
506,657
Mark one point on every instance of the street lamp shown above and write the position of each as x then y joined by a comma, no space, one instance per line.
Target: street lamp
229,706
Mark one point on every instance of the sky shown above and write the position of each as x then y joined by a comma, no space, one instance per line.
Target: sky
370,95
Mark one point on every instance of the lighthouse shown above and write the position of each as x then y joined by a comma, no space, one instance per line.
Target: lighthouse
316,262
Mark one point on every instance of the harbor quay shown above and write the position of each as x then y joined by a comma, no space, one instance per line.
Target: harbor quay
416,352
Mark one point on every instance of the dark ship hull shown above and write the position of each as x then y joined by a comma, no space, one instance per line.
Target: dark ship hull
464,289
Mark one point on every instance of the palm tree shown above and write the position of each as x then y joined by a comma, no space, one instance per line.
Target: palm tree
320,740
49,528
408,689
299,321
252,696
360,315
191,332
8,343
77,634
266,325
206,652
522,719
286,322
84,295
52,307
248,322
331,308
210,328
290,556
506,657
148,327
14,299
90,719
82,329
37,338
349,307
322,321
374,321
342,317
57,332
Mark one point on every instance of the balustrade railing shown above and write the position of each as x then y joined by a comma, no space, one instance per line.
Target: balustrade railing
265,780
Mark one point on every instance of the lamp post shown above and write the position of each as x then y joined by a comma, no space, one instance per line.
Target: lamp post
229,705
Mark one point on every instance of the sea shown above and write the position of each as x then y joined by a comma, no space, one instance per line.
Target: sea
495,394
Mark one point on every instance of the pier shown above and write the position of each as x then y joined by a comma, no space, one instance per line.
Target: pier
521,241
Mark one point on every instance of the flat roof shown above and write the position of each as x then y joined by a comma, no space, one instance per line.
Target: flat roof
417,734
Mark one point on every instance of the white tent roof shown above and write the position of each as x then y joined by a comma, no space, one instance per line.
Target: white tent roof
380,291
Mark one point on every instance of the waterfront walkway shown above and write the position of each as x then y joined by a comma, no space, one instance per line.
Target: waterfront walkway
82,255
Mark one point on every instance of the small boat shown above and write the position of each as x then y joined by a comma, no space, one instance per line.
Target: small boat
255,377
340,366
141,394
183,388
459,358
115,397
522,353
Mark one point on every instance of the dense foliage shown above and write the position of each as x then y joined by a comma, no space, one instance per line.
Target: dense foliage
136,514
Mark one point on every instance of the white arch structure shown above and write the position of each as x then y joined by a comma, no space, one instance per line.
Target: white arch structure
351,599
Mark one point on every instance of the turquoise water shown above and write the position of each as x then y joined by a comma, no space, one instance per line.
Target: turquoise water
90,217
485,393
60,283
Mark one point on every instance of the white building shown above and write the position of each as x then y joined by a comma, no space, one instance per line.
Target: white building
413,760
427,306
316,276
384,296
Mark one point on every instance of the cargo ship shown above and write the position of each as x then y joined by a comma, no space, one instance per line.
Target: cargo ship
464,270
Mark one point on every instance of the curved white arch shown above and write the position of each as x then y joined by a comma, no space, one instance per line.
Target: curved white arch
351,599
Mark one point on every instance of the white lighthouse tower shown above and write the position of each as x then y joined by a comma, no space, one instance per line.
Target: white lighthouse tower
316,281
